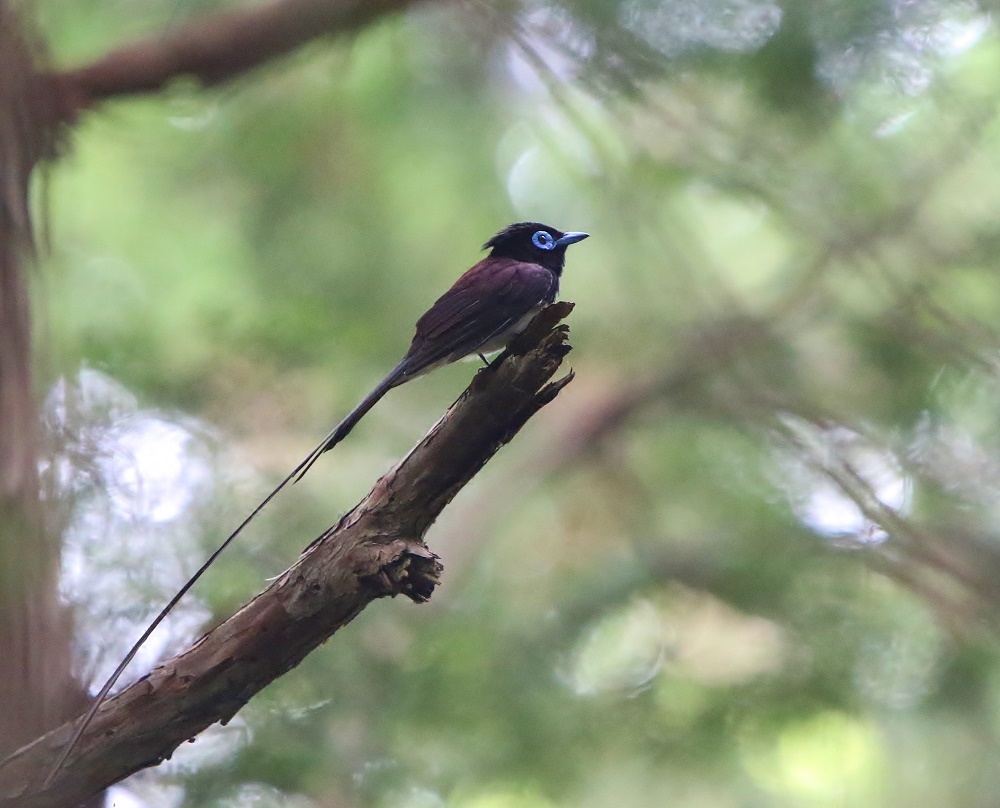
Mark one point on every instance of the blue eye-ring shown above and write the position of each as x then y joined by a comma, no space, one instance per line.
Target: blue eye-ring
543,240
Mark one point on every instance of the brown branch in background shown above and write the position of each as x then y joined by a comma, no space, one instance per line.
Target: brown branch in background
37,690
376,550
29,126
219,47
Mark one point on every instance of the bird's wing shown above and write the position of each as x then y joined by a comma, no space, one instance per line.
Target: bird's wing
487,300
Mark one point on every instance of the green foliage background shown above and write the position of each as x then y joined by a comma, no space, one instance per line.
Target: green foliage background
749,557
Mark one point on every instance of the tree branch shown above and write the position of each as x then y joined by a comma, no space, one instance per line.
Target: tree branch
218,47
375,550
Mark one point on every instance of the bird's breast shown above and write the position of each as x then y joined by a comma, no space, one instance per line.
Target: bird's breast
501,340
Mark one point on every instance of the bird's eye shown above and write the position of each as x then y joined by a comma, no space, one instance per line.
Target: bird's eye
543,240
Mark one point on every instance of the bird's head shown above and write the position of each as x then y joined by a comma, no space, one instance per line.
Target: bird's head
533,242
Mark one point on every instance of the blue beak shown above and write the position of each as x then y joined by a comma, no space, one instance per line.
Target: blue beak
571,238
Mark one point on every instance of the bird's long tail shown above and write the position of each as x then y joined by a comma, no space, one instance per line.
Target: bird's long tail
343,429
395,377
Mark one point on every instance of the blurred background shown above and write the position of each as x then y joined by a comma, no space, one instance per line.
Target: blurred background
749,557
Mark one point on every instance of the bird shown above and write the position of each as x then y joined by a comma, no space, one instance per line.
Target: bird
485,308
489,305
